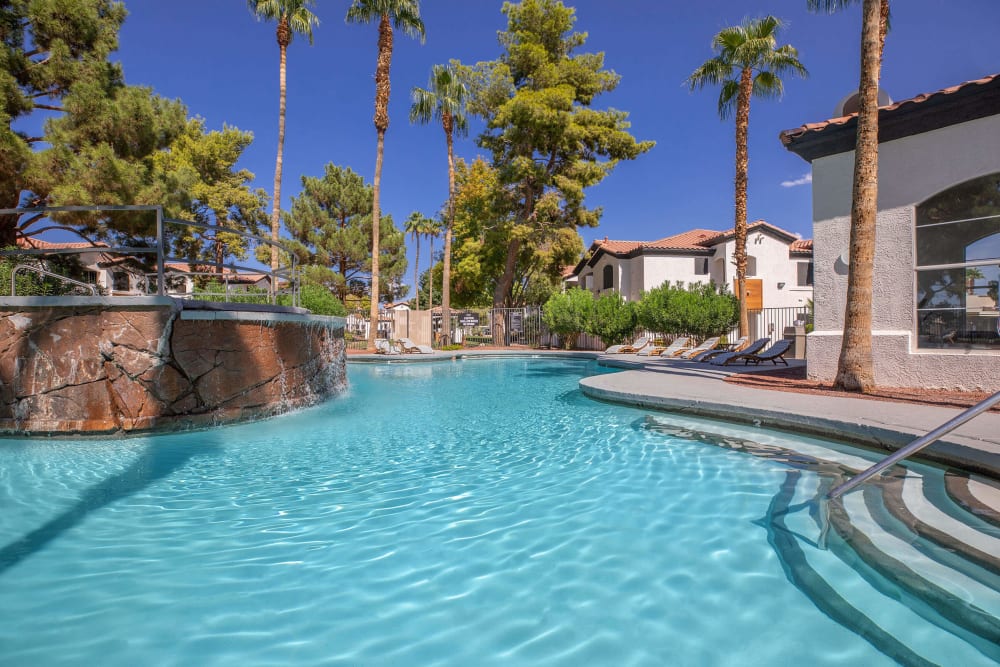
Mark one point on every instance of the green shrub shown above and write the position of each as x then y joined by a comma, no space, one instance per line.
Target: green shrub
614,320
568,314
700,310
319,300
29,283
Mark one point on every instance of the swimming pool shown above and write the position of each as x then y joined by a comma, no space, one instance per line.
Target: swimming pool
468,512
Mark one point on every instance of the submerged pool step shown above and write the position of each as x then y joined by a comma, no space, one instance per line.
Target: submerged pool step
945,589
862,600
904,536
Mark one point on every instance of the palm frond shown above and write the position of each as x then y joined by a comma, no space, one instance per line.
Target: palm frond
727,98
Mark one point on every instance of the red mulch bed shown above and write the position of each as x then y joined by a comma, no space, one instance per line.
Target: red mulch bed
794,379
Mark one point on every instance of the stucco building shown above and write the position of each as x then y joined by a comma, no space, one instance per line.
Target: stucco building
779,265
937,255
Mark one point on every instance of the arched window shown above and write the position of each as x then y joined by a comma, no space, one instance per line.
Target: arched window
609,277
958,266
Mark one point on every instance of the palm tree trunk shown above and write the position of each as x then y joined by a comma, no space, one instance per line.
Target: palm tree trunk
430,277
855,370
284,36
376,221
416,269
742,167
446,277
381,125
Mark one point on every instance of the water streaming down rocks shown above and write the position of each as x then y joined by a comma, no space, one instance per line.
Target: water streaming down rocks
159,364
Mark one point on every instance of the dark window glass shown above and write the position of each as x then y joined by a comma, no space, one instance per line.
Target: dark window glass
957,307
701,266
609,277
805,271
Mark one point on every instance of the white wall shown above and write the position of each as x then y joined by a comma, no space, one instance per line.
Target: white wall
773,266
911,170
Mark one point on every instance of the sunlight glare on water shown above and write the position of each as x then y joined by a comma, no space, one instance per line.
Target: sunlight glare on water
479,512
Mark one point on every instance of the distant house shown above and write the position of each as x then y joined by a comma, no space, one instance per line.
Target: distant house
779,265
118,275
937,255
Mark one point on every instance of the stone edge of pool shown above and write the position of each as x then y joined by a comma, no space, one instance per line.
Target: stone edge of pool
689,388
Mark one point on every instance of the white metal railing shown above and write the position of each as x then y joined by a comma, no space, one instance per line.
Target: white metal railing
916,445
39,270
287,273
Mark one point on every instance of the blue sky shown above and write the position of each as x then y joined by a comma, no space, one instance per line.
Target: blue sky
224,65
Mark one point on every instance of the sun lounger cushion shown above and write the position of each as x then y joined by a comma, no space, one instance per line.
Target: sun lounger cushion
729,357
774,354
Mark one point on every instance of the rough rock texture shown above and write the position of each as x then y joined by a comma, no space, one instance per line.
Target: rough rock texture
104,370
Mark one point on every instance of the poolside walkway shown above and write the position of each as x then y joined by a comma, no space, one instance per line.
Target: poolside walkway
698,388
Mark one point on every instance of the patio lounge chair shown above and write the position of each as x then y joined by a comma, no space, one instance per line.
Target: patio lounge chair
774,354
678,345
708,354
753,348
706,345
409,346
383,346
637,344
635,349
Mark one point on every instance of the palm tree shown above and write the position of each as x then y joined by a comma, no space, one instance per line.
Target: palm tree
293,16
418,225
855,368
747,64
444,100
404,15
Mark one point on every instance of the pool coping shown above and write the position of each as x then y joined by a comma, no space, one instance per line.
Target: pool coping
687,387
695,388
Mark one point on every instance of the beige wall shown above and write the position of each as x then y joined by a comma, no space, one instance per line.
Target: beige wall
911,170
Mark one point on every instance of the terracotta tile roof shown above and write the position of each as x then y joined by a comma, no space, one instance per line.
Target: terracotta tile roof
698,241
618,247
966,101
568,271
693,240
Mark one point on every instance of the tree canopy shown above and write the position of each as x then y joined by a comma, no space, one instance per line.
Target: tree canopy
96,136
330,223
548,143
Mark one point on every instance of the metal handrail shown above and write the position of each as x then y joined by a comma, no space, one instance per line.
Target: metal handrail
290,273
26,267
916,445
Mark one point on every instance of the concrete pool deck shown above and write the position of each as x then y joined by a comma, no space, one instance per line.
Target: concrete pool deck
699,389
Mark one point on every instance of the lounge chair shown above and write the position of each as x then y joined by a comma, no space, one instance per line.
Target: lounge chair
707,344
740,343
383,346
677,345
637,344
410,347
753,348
774,354
635,349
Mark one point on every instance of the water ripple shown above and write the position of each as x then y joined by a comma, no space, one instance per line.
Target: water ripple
447,514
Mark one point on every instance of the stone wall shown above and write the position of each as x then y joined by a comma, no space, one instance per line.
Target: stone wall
96,367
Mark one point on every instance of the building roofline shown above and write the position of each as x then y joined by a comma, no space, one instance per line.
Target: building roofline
971,100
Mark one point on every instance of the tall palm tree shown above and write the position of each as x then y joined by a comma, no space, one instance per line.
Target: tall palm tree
444,100
748,63
293,16
855,368
403,15
418,225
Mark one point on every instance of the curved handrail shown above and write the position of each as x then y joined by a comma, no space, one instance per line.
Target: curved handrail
916,445
26,267
289,272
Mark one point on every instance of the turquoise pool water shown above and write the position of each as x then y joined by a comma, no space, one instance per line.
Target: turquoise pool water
466,513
